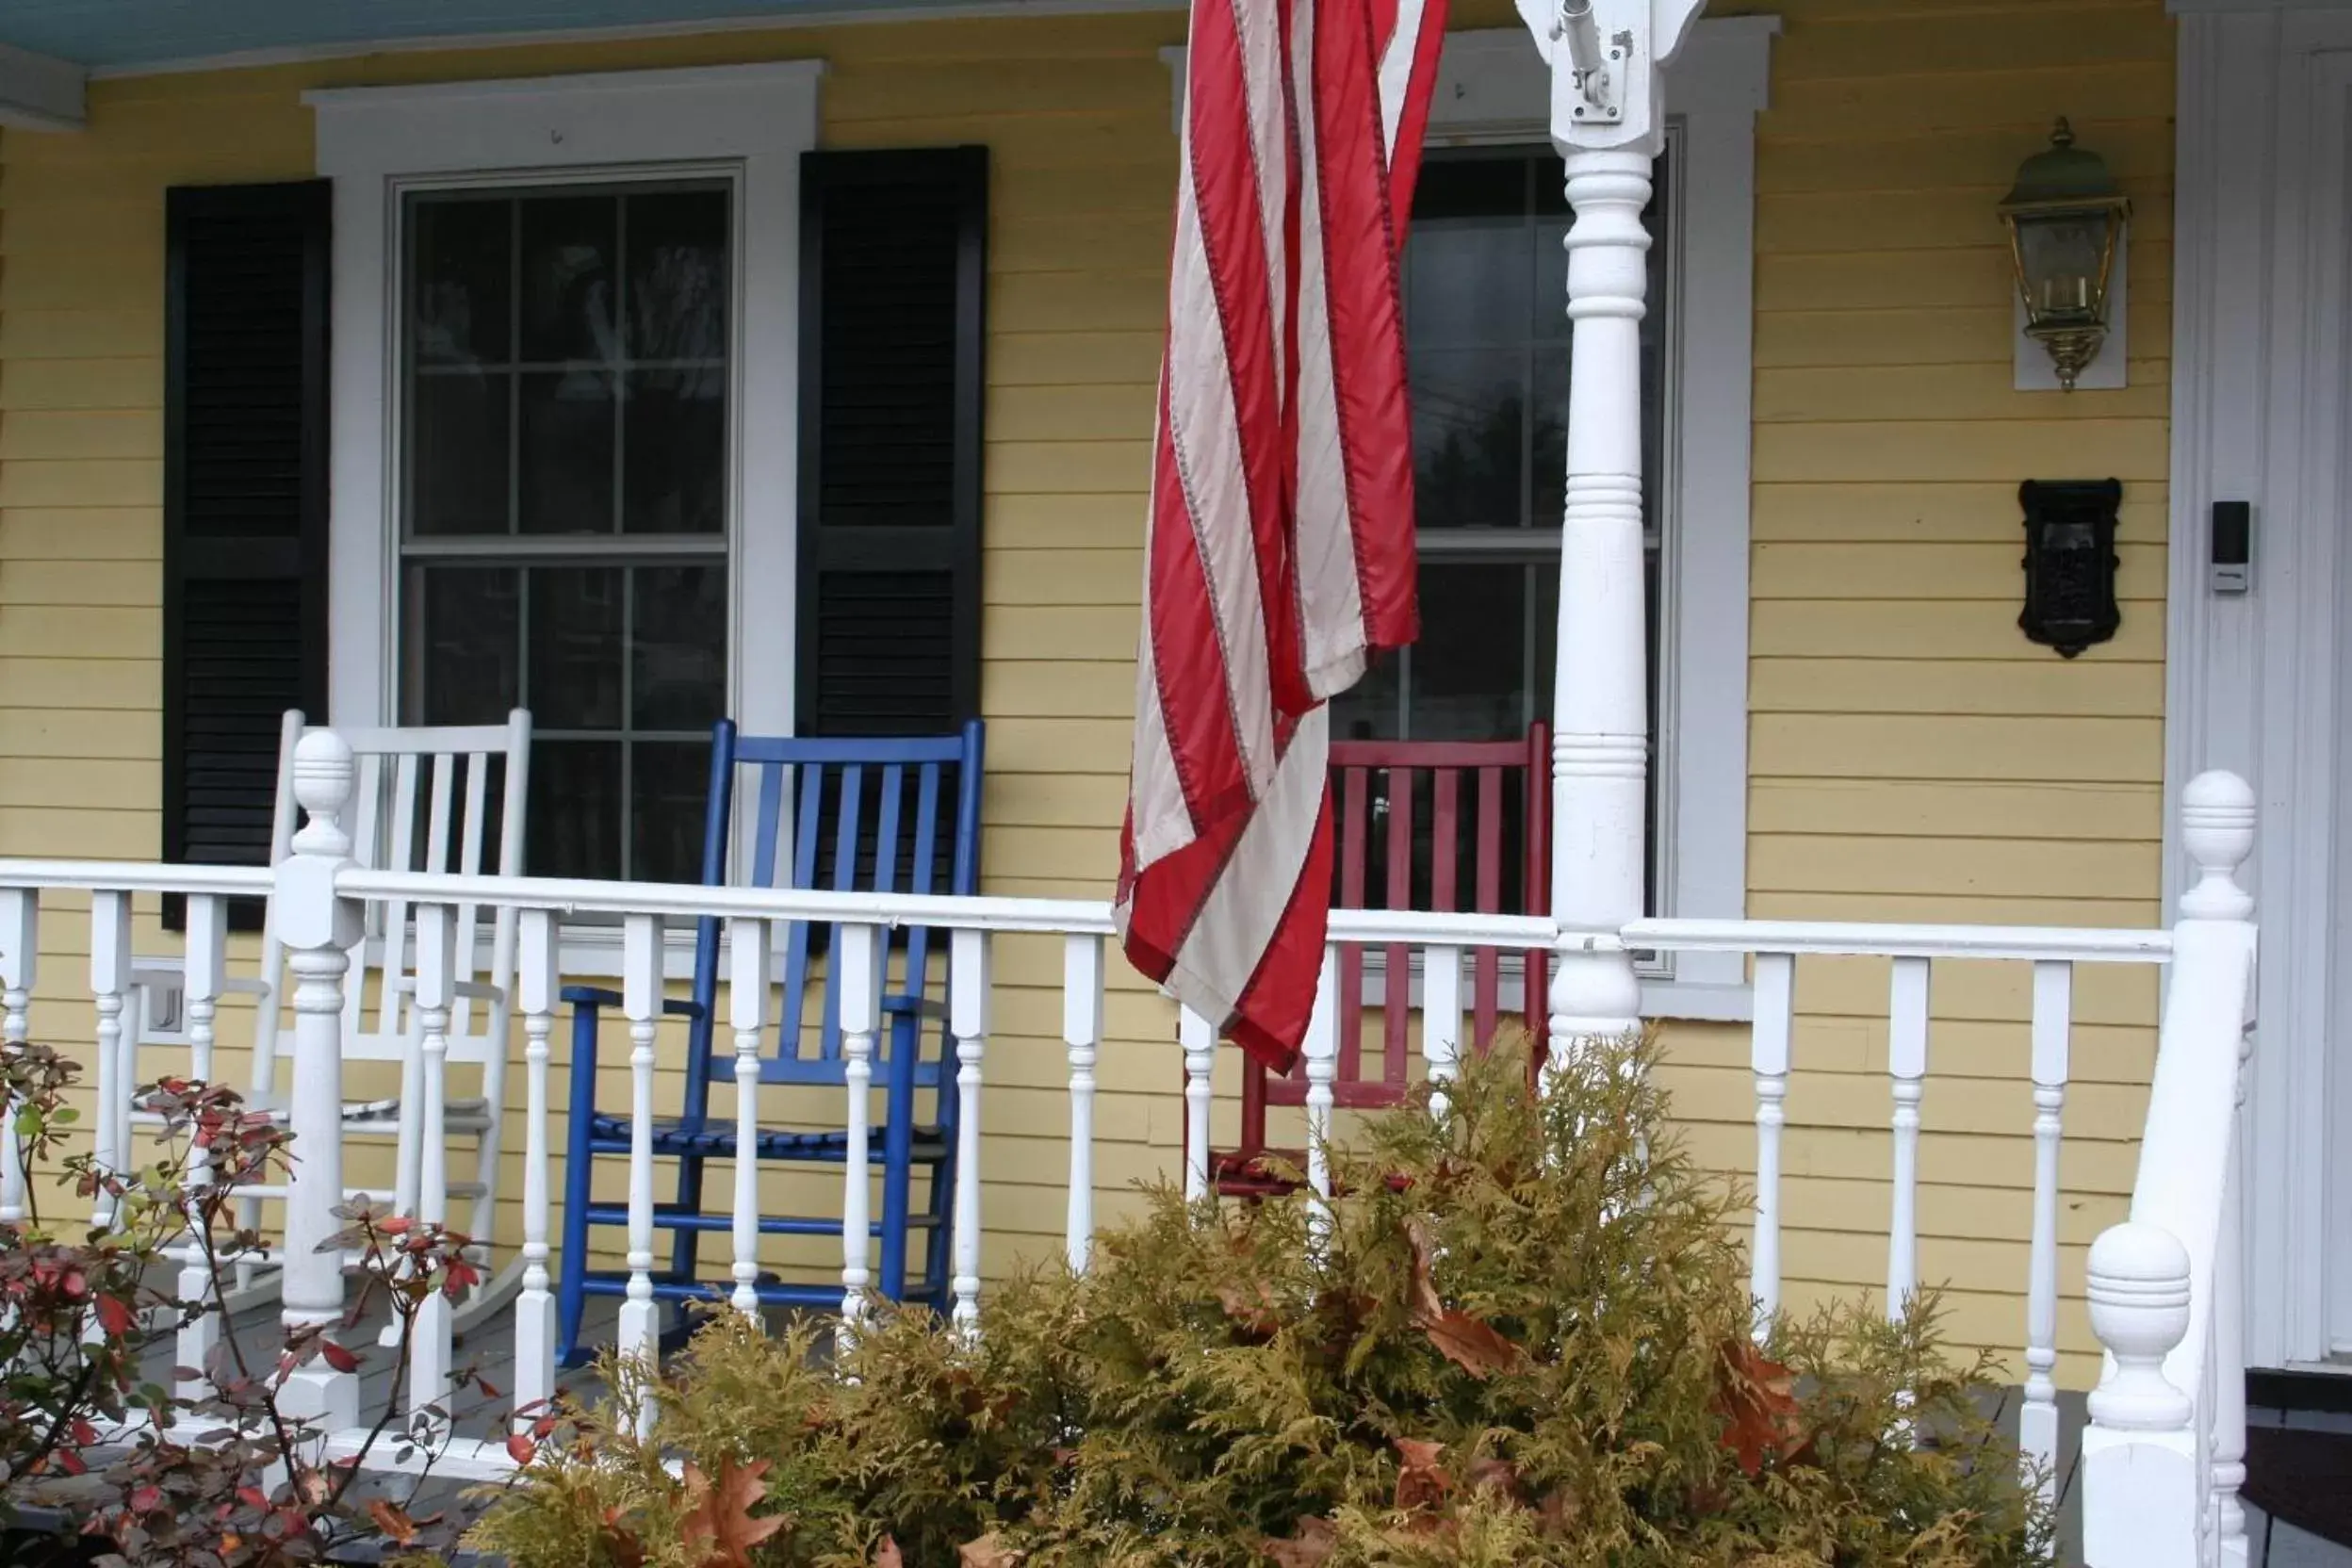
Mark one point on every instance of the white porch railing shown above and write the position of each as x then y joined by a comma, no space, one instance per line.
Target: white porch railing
2151,1451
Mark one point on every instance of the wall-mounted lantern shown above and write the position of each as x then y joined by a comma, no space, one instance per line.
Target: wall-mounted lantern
2065,216
2070,561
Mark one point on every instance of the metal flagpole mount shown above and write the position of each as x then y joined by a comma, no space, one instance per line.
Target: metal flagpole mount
1605,56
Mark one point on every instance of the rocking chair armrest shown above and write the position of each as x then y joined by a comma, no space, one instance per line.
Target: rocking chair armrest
598,997
472,990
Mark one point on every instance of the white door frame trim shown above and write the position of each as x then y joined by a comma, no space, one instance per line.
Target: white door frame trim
2259,341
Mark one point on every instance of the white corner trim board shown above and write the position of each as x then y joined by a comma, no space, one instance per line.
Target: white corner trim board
747,123
39,92
1492,87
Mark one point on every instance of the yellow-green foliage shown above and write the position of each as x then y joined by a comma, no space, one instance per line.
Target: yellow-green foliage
1522,1339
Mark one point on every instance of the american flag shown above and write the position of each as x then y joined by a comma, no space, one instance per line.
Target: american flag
1279,552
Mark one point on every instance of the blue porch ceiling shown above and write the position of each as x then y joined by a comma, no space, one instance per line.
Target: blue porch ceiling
127,33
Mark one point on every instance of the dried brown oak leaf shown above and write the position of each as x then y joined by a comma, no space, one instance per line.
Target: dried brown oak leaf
1308,1546
986,1552
1468,1342
1755,1397
718,1513
1421,1479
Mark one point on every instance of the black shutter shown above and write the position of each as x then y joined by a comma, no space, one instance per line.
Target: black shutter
894,280
244,504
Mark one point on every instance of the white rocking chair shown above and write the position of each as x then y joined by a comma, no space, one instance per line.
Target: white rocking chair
413,785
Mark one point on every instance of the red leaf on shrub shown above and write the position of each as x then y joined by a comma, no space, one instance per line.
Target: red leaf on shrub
521,1449
1253,1316
84,1433
115,1316
146,1499
1469,1343
338,1356
1754,1398
71,1463
986,1552
1421,1480
392,1522
719,1513
886,1555
1314,1542
252,1497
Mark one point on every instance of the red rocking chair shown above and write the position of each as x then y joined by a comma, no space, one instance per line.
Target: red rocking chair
1408,814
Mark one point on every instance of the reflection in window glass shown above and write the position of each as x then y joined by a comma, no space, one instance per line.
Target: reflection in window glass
565,383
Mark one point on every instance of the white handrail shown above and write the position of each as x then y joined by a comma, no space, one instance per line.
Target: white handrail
1862,940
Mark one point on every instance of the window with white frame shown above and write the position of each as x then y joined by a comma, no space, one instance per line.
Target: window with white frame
564,457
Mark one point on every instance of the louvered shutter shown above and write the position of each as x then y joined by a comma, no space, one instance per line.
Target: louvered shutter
893,278
244,504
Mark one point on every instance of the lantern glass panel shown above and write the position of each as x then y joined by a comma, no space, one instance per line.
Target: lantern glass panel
2064,259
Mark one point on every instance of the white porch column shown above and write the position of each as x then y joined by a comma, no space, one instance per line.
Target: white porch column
1609,123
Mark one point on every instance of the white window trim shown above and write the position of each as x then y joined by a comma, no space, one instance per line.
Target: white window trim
750,123
1492,87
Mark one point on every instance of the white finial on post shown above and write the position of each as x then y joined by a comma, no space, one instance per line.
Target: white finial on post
319,929
2143,1497
2217,830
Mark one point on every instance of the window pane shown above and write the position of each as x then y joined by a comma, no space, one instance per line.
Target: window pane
678,275
576,626
670,789
461,641
1470,668
568,248
674,427
575,826
566,452
1467,280
678,679
1469,421
460,299
457,454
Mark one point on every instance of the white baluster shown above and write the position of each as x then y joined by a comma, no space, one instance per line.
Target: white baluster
431,1355
747,1010
1082,1032
1440,1020
1906,1063
1198,1036
20,944
110,979
1322,1054
205,961
639,1328
968,1022
1768,1052
319,930
2037,1421
861,964
2141,1490
534,1310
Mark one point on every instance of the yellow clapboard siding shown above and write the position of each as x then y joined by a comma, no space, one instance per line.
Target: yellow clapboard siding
1060,688
1050,358
2115,911
2037,688
76,632
1823,571
81,583
1799,395
1070,413
1923,628
133,331
130,383
1958,41
1034,631
111,783
81,533
1063,468
1077,302
1910,219
1973,334
2139,150
1829,508
1061,522
1878,745
1977,809
1919,100
123,685
1887,450
119,482
1992,868
1101,576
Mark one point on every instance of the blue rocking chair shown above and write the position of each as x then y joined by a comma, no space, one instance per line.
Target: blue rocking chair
843,781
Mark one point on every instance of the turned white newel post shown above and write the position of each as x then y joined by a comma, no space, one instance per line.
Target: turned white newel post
319,929
2139,1454
1608,121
